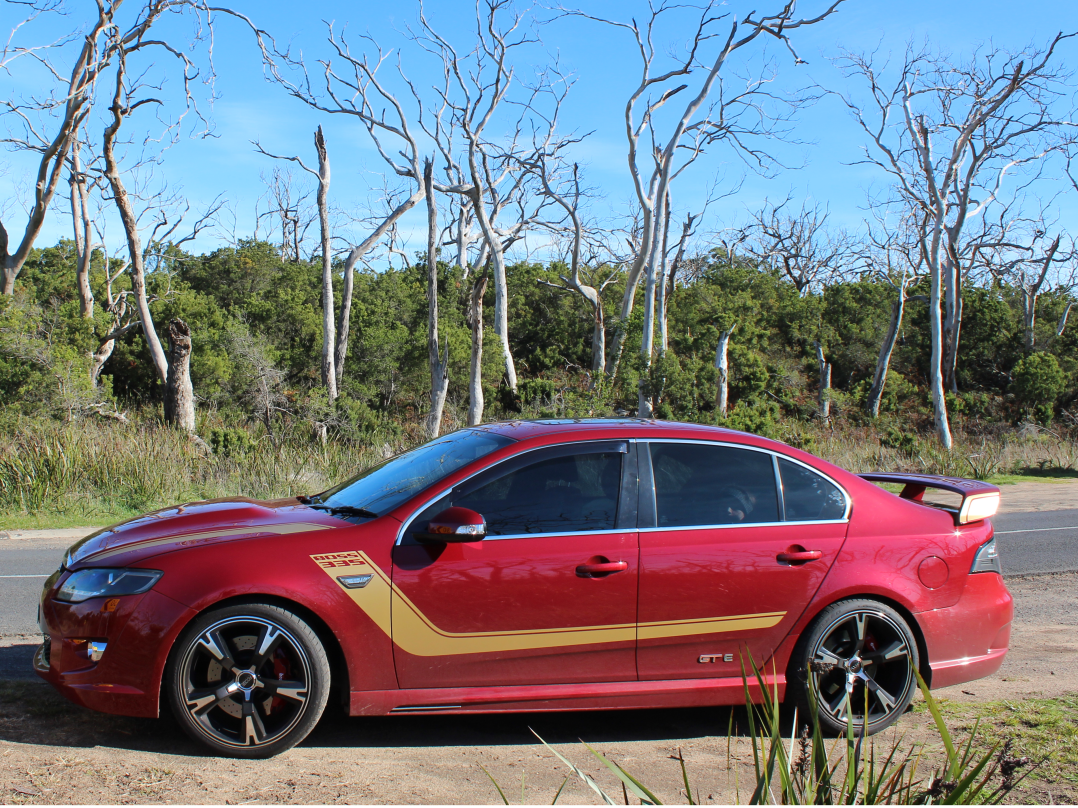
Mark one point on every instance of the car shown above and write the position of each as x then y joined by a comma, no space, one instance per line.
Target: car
536,566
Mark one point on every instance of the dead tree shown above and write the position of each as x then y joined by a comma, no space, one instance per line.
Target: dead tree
737,118
475,375
948,134
824,393
127,97
83,231
64,110
1030,259
591,293
722,365
439,365
179,394
806,249
893,257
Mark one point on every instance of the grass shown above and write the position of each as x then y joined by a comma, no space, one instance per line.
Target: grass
1042,729
93,473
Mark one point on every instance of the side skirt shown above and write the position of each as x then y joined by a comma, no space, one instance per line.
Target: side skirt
554,698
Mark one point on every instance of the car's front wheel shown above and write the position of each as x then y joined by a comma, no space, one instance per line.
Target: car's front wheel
858,661
248,681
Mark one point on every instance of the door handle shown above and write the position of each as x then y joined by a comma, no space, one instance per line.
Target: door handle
798,556
594,569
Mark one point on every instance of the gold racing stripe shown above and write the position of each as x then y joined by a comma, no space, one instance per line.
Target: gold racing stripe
189,539
414,633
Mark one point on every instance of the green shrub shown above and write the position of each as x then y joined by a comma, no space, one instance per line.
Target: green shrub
1037,381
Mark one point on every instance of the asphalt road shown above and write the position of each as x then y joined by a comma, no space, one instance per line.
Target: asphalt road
1037,542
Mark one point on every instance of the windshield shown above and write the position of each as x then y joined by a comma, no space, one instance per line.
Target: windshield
383,487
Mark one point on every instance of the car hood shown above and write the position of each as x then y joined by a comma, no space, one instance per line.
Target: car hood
195,524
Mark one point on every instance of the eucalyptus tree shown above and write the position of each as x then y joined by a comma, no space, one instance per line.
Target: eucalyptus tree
948,134
744,117
47,124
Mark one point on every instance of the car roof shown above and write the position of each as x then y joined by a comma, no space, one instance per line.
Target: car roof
626,427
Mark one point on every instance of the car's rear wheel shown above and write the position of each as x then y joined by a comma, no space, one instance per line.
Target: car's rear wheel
858,661
248,681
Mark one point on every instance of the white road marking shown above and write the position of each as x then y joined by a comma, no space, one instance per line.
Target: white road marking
25,576
1035,530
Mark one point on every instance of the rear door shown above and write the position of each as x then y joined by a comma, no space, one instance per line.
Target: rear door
548,597
733,544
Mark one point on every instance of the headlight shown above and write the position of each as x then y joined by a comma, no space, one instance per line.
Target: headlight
987,559
105,583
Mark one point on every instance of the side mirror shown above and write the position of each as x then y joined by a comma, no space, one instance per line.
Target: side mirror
455,525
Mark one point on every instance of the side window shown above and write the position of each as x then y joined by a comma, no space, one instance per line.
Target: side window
807,496
568,494
698,484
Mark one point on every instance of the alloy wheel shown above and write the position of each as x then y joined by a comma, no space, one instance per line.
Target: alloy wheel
245,681
862,669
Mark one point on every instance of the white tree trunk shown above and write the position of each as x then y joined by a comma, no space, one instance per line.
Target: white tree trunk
1063,320
935,366
501,289
722,365
80,221
439,367
825,383
179,395
329,325
475,376
883,362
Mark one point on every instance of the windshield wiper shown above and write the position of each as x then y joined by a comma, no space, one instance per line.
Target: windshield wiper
346,510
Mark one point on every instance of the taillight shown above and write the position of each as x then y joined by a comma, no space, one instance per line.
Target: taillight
987,559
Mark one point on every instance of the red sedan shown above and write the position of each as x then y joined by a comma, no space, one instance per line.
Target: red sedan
551,565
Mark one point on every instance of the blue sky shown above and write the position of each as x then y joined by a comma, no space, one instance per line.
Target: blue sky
605,70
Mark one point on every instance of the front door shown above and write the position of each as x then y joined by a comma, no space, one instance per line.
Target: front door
730,560
528,605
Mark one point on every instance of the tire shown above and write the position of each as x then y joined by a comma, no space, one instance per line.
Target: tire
248,681
861,648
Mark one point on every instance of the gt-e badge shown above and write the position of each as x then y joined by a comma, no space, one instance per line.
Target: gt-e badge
716,658
330,560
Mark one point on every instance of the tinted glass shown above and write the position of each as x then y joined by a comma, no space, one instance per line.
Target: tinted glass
807,496
387,485
570,494
697,484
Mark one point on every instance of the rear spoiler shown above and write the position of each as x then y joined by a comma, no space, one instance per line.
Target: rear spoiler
979,500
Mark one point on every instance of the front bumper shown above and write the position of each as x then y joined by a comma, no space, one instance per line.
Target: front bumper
969,640
127,678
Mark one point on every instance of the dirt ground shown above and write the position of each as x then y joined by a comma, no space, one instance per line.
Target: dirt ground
54,752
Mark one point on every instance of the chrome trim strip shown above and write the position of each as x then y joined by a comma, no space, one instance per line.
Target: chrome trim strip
743,525
425,708
615,531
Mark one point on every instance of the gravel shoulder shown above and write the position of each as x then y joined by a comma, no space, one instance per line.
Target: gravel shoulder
54,752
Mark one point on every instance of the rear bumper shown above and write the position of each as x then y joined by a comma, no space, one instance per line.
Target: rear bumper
969,640
127,679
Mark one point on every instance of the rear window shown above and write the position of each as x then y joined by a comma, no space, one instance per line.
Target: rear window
809,497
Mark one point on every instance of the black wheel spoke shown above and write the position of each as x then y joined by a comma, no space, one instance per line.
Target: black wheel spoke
254,731
200,702
219,648
886,700
285,689
268,642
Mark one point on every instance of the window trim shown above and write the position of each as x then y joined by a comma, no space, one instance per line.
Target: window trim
629,477
775,456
